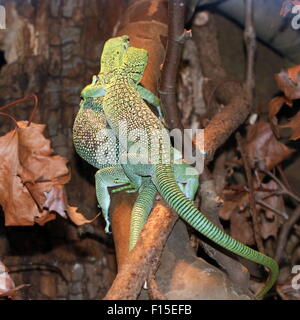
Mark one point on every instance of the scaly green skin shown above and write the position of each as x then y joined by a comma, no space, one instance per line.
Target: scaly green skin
143,203
90,137
88,144
122,103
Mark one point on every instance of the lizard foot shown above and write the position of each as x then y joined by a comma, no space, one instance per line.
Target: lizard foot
130,187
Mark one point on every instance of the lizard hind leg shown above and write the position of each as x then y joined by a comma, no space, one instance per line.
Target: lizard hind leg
141,210
187,178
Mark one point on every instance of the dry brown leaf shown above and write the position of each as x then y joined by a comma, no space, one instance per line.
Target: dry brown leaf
263,145
276,104
241,228
274,107
31,178
36,156
233,201
77,217
287,6
288,80
15,199
294,125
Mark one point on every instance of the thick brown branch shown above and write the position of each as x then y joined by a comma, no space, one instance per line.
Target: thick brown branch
231,94
134,271
134,267
153,289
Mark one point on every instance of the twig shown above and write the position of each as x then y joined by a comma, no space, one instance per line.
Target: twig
10,117
258,200
264,204
31,96
283,188
252,205
284,232
176,38
284,178
249,38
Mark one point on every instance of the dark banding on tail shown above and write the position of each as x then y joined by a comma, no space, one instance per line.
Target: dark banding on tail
141,210
169,190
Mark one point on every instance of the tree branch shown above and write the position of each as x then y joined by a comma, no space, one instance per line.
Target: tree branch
147,251
231,94
134,267
250,41
176,38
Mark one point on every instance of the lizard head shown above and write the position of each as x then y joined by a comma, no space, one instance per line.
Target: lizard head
134,63
113,53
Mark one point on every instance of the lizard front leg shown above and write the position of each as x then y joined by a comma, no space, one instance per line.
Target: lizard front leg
105,178
150,98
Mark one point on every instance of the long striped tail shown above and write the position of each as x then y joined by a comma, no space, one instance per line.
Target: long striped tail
169,190
141,210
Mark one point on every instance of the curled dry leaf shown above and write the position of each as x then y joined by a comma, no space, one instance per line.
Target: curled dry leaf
287,6
31,178
294,125
274,107
288,80
262,145
77,217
